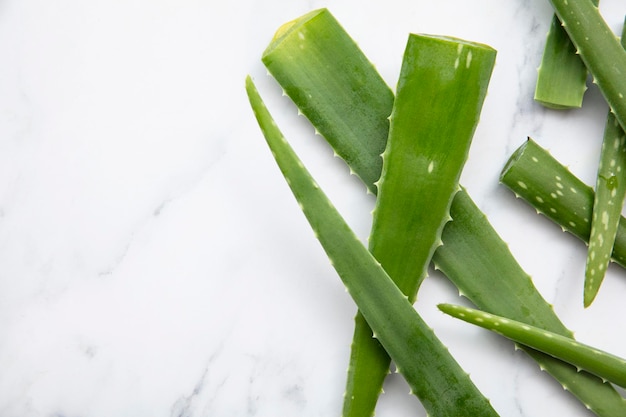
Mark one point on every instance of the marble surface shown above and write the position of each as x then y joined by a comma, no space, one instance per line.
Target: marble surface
153,261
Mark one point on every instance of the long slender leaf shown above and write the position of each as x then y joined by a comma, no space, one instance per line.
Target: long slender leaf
607,205
434,376
605,365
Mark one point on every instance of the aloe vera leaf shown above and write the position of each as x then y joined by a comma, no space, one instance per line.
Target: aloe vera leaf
534,175
517,295
309,57
562,76
607,205
322,46
607,208
584,357
599,49
464,258
473,257
442,85
441,88
367,369
432,373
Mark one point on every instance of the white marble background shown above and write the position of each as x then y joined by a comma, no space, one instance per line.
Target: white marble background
154,263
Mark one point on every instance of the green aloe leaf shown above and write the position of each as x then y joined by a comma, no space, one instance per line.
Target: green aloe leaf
432,373
305,54
584,357
442,85
547,185
562,76
599,49
607,205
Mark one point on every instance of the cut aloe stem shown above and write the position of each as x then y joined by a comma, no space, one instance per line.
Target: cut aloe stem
312,47
473,256
607,205
562,76
441,78
584,357
432,373
599,49
441,88
534,175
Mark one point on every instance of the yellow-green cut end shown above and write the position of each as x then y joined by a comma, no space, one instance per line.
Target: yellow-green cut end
290,27
457,41
555,106
284,29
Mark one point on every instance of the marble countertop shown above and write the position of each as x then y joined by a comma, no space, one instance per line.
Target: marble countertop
153,261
